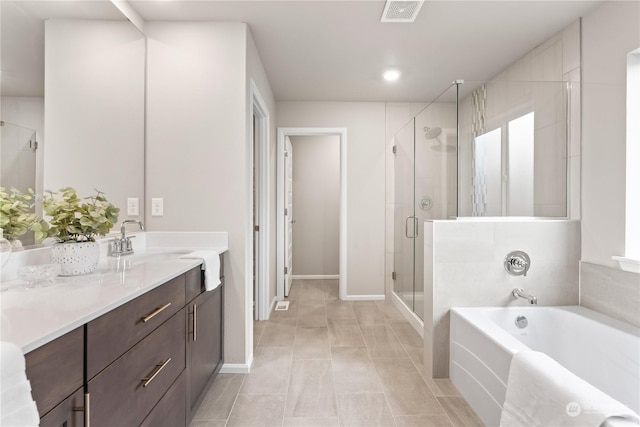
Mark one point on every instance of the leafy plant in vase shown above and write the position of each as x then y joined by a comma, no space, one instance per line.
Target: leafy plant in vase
75,222
16,215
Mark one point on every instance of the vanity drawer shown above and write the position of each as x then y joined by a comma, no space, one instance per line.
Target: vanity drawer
171,411
112,334
55,370
119,396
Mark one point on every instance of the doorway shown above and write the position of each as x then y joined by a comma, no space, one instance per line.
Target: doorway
284,212
312,190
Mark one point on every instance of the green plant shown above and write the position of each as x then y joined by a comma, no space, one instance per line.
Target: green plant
16,216
75,219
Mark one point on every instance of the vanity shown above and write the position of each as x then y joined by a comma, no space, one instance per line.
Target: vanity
133,344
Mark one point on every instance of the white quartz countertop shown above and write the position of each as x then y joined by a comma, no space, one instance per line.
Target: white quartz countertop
32,317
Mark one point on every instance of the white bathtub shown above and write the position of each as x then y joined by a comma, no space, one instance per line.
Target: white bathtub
601,350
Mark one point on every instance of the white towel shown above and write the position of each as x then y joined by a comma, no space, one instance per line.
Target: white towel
541,392
17,407
210,265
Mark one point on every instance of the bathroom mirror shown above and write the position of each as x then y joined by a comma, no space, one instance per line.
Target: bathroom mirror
75,112
513,144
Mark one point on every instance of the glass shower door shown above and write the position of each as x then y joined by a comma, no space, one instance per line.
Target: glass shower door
18,162
404,215
425,188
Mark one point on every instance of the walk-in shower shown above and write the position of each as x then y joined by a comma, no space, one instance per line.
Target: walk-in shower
496,148
424,189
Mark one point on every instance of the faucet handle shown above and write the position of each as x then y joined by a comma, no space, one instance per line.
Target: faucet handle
517,263
115,247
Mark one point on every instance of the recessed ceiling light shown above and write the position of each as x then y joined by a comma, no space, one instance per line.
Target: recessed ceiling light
391,75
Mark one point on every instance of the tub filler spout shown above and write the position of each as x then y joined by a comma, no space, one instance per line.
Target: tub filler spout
519,293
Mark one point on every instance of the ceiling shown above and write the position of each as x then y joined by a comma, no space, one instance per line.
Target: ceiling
337,50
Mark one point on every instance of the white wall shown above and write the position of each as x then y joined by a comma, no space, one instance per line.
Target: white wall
94,109
609,33
316,205
365,124
464,268
197,158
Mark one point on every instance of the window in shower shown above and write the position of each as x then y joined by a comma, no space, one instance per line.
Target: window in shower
487,174
503,169
520,178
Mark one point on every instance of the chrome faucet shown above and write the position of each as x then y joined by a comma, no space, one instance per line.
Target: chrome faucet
123,246
519,293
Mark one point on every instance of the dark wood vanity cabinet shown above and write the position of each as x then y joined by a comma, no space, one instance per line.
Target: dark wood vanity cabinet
148,362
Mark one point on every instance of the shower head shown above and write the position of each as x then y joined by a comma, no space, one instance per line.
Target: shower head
430,133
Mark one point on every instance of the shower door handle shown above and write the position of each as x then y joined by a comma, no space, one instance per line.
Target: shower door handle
415,227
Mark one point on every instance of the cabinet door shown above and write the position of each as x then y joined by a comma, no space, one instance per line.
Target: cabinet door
204,348
55,370
64,414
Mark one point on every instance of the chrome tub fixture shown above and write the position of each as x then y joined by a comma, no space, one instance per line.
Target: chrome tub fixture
520,293
517,263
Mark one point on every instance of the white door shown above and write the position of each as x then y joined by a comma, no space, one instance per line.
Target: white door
288,215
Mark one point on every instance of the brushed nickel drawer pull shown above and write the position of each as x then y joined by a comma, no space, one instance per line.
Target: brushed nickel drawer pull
159,368
86,409
155,312
195,322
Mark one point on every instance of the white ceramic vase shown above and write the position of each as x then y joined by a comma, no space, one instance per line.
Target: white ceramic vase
75,258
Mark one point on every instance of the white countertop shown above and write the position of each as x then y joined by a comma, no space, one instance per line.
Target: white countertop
32,317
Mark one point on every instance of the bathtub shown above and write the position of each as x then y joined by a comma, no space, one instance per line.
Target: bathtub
599,349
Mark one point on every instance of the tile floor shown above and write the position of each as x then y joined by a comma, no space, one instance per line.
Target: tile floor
327,362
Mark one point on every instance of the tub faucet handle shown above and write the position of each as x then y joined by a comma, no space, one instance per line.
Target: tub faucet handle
517,263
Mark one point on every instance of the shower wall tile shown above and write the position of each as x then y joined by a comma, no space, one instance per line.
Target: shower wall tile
610,291
520,70
574,174
571,47
574,112
468,271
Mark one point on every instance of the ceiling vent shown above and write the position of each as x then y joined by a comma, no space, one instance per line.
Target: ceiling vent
401,11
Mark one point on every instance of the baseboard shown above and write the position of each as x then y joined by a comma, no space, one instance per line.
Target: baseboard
236,368
315,277
411,317
363,298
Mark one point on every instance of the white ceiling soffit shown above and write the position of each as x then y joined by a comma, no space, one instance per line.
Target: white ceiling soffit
401,11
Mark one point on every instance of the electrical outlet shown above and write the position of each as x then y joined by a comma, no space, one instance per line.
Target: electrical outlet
133,206
157,206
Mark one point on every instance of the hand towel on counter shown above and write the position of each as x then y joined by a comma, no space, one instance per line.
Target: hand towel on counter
17,407
541,392
210,265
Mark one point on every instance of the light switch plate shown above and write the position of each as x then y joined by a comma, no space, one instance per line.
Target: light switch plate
133,206
157,206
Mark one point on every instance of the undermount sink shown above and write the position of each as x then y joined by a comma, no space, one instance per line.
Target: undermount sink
127,262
